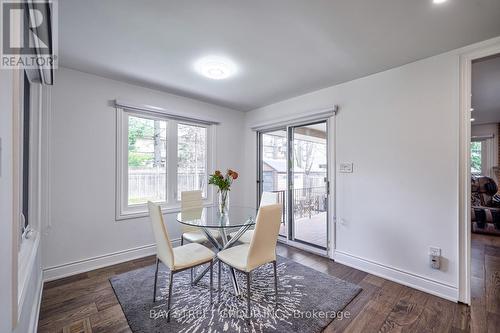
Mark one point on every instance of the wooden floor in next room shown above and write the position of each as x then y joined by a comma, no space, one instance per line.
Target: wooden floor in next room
86,302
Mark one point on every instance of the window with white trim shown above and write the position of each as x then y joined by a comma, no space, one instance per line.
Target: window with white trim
158,157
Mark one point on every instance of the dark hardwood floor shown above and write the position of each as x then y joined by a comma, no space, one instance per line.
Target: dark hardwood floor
86,302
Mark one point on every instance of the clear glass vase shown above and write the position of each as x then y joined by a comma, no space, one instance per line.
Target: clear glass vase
224,202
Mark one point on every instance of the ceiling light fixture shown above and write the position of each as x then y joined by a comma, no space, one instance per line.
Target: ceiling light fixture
439,1
471,109
215,67
472,119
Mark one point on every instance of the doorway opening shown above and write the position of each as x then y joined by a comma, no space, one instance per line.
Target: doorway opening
484,182
479,176
293,163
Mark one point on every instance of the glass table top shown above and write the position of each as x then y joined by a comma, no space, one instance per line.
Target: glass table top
210,217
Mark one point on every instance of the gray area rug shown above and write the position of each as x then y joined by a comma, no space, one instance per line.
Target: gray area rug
308,301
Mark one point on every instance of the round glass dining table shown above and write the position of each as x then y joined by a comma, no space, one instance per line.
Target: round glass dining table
209,219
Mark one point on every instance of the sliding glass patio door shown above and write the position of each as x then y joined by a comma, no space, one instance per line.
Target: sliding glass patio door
308,179
273,169
293,162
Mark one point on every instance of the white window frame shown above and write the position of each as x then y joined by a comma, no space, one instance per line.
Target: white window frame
125,211
488,157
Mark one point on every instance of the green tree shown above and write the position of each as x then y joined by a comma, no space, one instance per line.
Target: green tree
138,128
475,157
137,160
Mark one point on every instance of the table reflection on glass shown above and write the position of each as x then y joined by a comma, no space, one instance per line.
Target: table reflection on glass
209,218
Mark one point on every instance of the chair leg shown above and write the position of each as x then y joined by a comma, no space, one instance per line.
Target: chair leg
248,293
156,278
275,283
218,281
211,281
170,284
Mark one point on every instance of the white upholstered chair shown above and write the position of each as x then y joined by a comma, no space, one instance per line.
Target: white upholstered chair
267,198
260,251
191,201
176,259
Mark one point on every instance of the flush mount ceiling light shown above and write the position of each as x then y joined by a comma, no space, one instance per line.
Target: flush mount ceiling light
439,1
215,67
472,119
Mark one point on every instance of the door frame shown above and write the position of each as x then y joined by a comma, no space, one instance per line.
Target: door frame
290,176
485,49
259,166
331,213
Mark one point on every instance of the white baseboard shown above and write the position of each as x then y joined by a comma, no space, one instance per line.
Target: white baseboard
35,312
85,265
421,283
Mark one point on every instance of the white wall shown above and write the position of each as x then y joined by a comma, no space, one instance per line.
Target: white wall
83,233
400,128
484,129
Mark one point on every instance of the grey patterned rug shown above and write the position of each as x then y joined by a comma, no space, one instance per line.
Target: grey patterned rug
308,301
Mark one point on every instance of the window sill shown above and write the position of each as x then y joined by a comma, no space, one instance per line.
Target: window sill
144,213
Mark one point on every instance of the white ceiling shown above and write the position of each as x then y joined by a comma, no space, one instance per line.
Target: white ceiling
283,48
486,90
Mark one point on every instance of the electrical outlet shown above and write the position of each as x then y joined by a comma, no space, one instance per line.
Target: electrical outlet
435,262
435,257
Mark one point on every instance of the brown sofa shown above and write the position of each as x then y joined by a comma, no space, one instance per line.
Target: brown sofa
485,215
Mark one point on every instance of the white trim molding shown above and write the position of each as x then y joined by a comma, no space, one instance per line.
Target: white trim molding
296,119
159,111
45,162
412,280
332,177
27,257
86,265
35,311
469,54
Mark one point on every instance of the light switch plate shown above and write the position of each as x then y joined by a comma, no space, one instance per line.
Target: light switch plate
435,251
346,167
